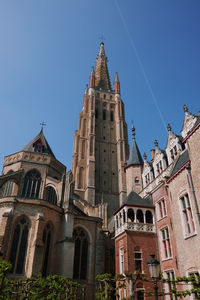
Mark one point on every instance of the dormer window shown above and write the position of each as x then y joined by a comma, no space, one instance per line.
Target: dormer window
173,152
38,147
147,178
159,166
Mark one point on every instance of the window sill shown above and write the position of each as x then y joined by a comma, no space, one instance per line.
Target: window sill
162,218
166,259
190,236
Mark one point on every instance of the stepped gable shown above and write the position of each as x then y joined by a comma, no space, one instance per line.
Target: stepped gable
41,142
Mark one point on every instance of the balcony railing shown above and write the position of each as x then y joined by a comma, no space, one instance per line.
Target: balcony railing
138,227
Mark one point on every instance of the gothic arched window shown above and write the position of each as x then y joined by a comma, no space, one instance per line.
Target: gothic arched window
104,114
7,189
81,178
111,116
149,217
51,195
32,183
19,246
80,253
47,235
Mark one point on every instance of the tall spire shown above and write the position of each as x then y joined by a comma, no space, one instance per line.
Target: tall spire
135,157
102,79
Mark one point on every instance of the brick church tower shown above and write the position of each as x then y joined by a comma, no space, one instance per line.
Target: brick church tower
101,144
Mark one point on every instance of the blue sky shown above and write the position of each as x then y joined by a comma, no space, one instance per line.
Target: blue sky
47,50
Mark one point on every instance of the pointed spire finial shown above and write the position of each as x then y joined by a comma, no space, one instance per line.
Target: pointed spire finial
116,77
169,127
92,71
156,143
117,84
145,156
86,89
133,131
42,125
92,78
101,50
185,108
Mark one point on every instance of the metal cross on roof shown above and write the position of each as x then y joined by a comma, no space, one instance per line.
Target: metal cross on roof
102,38
42,125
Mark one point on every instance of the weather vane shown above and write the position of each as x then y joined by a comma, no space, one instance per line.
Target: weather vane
42,125
102,38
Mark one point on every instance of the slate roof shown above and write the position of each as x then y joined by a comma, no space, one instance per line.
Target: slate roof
134,199
135,157
182,160
47,149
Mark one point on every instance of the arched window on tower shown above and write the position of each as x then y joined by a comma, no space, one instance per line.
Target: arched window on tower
149,217
80,253
111,116
47,236
7,189
19,246
51,195
104,114
140,216
81,178
32,182
131,215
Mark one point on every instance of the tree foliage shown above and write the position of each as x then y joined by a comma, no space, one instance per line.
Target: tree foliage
52,287
108,285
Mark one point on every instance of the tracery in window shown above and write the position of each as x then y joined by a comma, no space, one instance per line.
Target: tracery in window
80,253
32,182
19,246
7,189
47,235
51,195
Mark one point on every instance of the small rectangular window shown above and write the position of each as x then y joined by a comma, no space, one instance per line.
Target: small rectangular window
170,284
187,216
121,260
162,209
138,261
166,244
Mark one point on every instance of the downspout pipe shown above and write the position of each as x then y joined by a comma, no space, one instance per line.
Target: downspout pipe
188,167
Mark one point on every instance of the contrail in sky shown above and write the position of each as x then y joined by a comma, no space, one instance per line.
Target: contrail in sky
140,64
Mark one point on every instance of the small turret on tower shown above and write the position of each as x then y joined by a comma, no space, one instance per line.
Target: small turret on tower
134,167
92,78
117,84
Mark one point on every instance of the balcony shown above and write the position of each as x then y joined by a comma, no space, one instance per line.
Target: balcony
137,227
